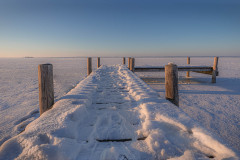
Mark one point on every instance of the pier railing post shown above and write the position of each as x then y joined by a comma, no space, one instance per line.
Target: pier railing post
215,70
46,89
132,64
98,62
188,62
124,61
171,83
129,62
89,65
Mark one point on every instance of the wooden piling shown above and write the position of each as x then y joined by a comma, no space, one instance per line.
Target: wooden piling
215,70
124,61
89,65
98,62
171,83
132,64
129,62
188,62
46,89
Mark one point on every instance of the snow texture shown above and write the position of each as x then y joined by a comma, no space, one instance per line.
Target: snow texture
112,114
214,106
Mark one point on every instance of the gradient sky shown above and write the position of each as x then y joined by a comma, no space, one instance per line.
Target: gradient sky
56,28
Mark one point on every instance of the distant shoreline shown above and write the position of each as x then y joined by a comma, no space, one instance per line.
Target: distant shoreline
130,56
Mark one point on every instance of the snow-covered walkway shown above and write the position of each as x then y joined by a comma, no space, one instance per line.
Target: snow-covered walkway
114,115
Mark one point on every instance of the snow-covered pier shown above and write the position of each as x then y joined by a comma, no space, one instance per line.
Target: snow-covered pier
114,115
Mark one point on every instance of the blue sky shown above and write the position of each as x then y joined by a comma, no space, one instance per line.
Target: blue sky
56,28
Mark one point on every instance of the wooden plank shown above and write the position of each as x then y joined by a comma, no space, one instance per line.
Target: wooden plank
148,69
194,68
204,72
180,68
46,89
171,83
114,140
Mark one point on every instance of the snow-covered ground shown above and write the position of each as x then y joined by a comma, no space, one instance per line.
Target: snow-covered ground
19,89
213,106
114,115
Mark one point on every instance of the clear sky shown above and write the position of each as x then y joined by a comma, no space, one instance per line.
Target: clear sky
63,28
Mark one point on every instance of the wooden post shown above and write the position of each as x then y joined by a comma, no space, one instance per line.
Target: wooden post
132,64
124,61
171,83
89,65
188,62
129,62
46,90
98,62
215,70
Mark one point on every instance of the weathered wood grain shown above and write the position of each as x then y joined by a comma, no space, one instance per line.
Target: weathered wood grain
132,64
124,61
89,65
129,59
215,70
180,68
188,62
171,83
46,88
98,62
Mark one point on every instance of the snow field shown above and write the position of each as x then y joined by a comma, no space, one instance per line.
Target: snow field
112,114
214,106
19,103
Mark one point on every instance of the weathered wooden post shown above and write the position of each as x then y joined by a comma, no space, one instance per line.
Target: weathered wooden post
188,62
132,64
46,90
98,62
124,61
215,69
129,62
89,65
171,83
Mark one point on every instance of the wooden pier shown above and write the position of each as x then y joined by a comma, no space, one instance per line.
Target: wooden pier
45,73
210,70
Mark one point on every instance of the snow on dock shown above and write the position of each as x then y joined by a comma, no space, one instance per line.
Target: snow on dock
112,114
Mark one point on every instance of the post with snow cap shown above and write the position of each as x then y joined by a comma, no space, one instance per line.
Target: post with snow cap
46,90
132,64
188,62
89,65
129,62
98,62
171,83
215,70
124,61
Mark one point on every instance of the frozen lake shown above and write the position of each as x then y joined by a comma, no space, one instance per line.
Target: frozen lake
214,106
